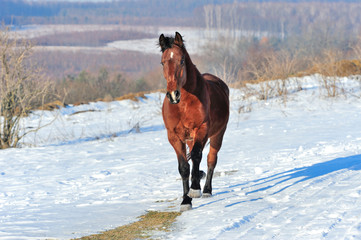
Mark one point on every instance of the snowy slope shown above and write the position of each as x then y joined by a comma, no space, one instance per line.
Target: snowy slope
286,170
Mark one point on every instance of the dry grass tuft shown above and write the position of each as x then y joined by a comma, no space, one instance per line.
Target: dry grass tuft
340,68
136,96
152,221
132,96
52,105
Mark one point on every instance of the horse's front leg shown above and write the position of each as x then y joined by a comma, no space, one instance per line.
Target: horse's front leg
184,171
200,139
183,168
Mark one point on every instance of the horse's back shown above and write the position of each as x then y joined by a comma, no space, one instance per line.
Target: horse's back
216,83
219,107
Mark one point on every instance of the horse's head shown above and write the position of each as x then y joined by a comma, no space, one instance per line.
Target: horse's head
174,66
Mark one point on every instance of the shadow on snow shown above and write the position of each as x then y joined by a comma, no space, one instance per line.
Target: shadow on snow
284,180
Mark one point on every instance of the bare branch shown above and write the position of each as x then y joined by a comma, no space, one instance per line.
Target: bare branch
22,85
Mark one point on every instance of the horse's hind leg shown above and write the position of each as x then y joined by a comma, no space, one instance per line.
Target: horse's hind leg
215,145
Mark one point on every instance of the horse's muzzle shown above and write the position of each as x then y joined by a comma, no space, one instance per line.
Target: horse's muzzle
174,96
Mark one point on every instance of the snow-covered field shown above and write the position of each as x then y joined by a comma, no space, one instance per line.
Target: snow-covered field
196,37
286,170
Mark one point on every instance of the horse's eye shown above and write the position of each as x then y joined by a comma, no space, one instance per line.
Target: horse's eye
162,63
182,61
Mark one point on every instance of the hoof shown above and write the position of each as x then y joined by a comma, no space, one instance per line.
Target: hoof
185,207
207,195
194,193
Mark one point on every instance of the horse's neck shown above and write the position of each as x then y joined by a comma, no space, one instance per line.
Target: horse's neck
194,77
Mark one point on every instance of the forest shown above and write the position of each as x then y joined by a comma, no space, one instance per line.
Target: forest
114,12
20,12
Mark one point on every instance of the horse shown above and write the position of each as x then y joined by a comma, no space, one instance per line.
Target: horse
195,109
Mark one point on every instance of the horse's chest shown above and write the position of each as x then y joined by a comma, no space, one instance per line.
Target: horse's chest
186,130
184,121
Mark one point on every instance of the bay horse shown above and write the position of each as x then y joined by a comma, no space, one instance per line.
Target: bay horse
195,109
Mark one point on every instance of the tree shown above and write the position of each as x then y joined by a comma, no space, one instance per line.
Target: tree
22,87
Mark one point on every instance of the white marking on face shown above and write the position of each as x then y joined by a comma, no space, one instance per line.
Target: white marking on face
173,95
171,54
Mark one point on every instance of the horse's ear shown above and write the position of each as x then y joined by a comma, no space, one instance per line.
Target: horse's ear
178,39
162,42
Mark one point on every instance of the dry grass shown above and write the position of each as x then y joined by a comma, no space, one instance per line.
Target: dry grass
281,65
339,68
330,66
52,105
130,96
136,96
152,221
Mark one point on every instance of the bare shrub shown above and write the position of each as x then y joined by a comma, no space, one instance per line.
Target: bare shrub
226,70
88,86
357,48
265,46
105,85
328,65
267,64
23,87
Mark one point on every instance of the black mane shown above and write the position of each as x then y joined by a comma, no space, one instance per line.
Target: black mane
167,42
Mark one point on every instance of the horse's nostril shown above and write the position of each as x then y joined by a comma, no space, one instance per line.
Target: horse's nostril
174,96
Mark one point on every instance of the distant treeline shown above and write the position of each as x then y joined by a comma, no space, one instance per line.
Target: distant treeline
304,37
295,38
19,12
326,21
159,12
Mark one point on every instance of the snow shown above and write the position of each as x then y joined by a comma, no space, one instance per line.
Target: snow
195,38
287,170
